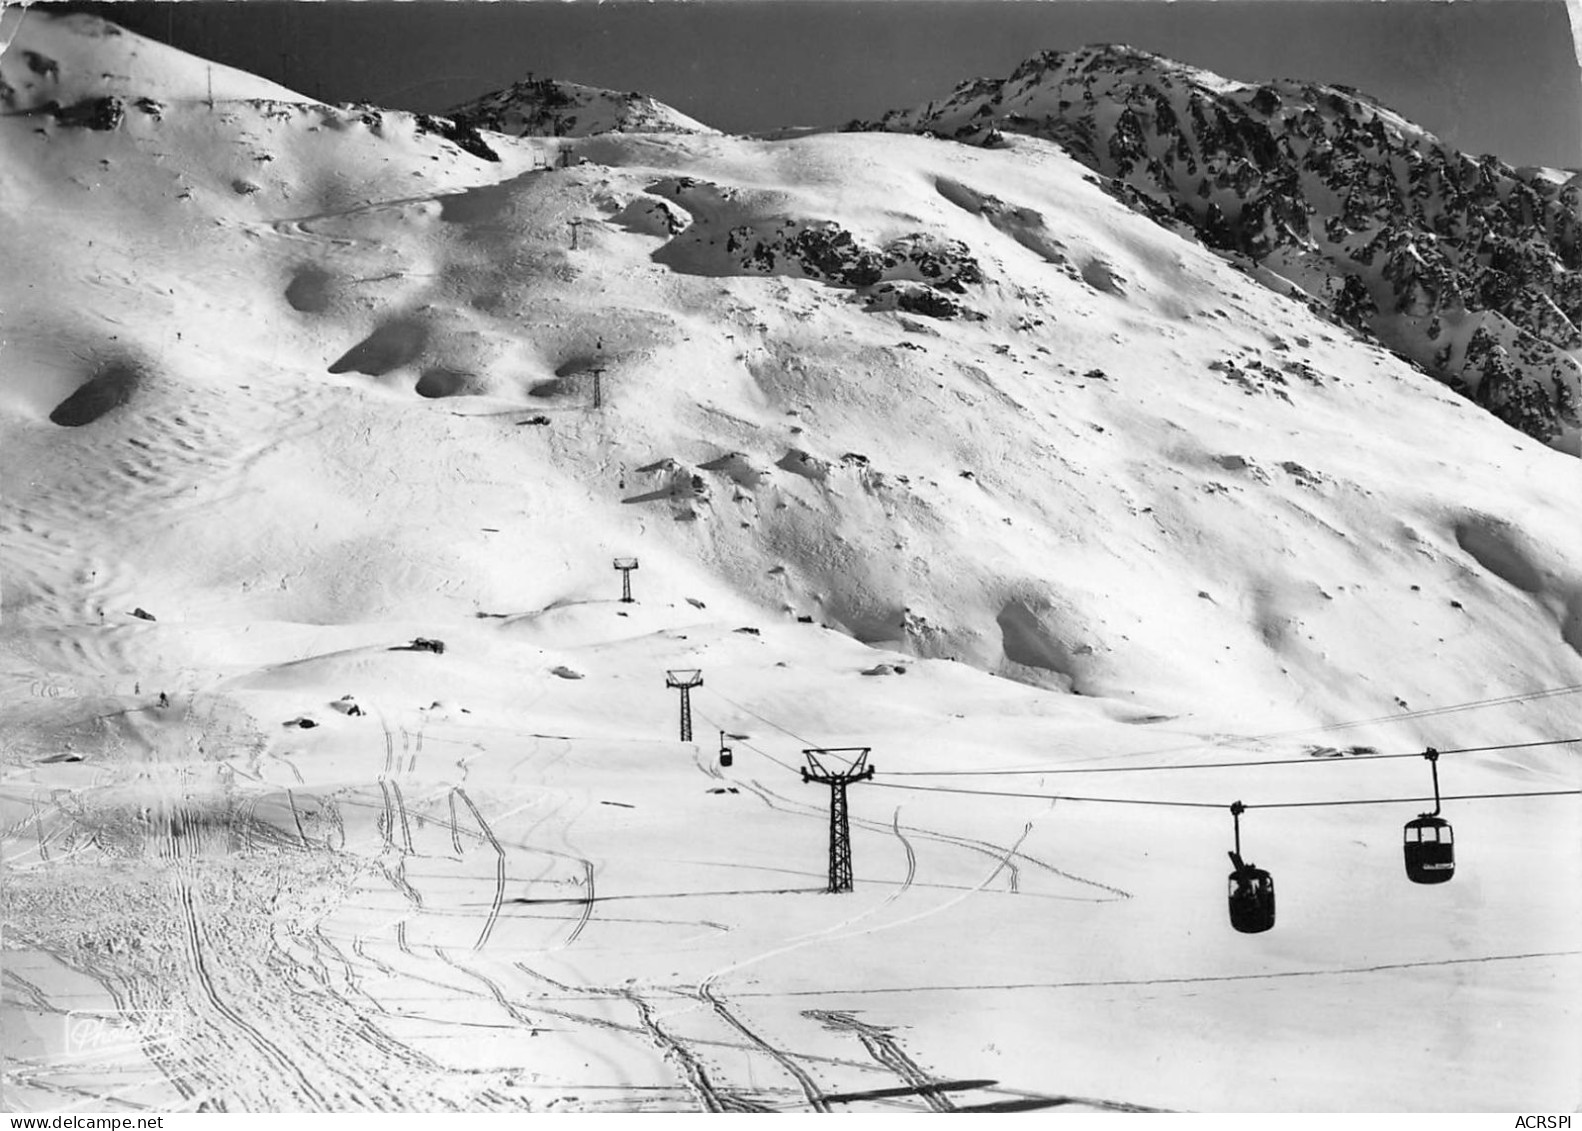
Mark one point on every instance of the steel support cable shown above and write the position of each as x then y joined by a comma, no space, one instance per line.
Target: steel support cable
1219,805
1405,716
1194,766
1510,746
1544,693
760,718
1416,800
1309,761
1139,769
769,722
1046,796
1429,712
748,745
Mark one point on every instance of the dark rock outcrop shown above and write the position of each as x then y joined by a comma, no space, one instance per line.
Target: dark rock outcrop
463,136
93,114
543,107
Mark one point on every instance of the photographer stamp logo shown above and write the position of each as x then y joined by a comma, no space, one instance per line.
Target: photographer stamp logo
101,1032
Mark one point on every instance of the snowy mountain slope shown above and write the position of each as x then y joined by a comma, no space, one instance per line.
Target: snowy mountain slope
1462,264
1088,515
548,107
305,384
72,59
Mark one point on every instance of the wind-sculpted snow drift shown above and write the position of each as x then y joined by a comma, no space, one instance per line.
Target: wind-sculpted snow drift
306,407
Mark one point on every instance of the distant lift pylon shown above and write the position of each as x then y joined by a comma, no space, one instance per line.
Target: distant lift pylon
626,566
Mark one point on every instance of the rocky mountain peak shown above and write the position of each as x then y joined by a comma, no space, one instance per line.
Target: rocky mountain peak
545,107
1464,265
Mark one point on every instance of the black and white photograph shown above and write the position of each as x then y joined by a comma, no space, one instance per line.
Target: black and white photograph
791,556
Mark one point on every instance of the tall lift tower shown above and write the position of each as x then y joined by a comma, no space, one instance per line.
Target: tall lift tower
839,823
626,566
684,681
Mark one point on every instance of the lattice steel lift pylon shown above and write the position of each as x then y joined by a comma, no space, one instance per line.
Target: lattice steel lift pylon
839,822
626,566
684,681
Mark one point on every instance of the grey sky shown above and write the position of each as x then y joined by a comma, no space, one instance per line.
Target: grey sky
1487,76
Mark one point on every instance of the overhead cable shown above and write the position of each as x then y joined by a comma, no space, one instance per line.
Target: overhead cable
1220,805
1308,761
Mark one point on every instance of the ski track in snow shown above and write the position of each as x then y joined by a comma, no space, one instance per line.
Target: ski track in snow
499,874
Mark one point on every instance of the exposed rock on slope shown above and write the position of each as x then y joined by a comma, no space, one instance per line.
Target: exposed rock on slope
1463,264
722,230
538,107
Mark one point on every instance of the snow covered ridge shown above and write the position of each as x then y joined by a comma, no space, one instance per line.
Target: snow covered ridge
71,59
545,107
1464,265
84,72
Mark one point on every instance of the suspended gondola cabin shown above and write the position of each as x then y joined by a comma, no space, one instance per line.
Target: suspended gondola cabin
1429,846
1430,850
1251,889
1251,899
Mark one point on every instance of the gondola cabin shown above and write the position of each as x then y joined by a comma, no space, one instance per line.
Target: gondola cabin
1430,850
1251,900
